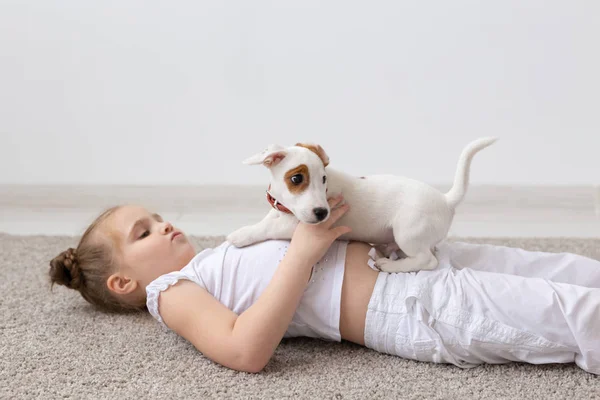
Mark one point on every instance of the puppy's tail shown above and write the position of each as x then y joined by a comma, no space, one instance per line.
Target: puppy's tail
461,179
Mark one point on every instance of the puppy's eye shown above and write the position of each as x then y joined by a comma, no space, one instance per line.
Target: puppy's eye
297,179
324,179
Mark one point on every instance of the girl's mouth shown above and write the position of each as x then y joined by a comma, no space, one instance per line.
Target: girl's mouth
175,234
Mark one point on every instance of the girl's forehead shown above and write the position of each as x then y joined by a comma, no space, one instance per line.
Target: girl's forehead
131,213
125,217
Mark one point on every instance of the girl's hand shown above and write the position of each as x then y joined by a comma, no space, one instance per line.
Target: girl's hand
311,241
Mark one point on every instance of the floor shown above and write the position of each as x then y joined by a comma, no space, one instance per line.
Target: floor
488,211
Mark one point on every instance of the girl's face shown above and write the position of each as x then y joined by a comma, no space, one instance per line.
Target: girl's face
147,247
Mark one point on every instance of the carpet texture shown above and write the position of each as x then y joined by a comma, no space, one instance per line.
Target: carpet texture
54,345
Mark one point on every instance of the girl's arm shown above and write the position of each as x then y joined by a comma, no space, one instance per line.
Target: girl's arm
247,342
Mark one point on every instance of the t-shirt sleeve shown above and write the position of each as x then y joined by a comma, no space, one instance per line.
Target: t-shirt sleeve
162,283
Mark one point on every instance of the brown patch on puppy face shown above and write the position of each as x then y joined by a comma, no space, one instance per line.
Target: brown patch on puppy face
318,150
297,188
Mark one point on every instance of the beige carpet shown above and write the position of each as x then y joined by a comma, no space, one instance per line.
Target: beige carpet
53,345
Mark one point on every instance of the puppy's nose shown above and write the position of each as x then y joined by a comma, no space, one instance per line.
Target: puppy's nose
321,213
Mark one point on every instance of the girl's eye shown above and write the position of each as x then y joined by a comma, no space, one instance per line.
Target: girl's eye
146,233
324,179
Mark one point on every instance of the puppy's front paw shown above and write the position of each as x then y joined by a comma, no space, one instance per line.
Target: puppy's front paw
242,237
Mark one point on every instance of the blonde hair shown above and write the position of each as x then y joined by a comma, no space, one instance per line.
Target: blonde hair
87,268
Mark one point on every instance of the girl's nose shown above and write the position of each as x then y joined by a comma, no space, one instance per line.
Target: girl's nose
167,227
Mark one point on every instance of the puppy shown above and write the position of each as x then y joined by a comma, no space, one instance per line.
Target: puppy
397,212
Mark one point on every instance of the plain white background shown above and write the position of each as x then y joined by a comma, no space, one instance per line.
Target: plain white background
180,92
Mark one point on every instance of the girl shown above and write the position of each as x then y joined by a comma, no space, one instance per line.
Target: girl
483,304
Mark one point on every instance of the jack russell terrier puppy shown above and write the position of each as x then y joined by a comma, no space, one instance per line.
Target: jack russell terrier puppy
394,212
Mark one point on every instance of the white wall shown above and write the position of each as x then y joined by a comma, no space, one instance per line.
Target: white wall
182,91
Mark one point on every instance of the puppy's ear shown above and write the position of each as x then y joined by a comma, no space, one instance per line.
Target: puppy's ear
318,150
269,157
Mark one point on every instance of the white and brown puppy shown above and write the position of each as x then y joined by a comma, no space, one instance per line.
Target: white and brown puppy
384,209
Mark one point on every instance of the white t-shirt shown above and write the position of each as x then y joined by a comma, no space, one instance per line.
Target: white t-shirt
237,277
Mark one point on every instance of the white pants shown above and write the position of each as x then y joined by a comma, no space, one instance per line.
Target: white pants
490,304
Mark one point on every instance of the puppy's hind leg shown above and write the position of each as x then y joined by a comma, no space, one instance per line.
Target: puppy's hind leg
414,237
390,250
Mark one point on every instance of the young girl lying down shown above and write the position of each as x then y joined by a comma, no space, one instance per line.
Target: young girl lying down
483,304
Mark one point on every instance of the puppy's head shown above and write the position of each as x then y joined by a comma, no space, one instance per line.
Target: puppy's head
298,179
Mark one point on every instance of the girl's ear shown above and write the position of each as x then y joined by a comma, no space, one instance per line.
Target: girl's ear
121,284
269,157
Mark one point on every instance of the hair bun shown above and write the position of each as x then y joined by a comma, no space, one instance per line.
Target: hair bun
65,271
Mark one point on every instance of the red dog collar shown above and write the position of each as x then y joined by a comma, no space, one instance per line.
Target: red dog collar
276,204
